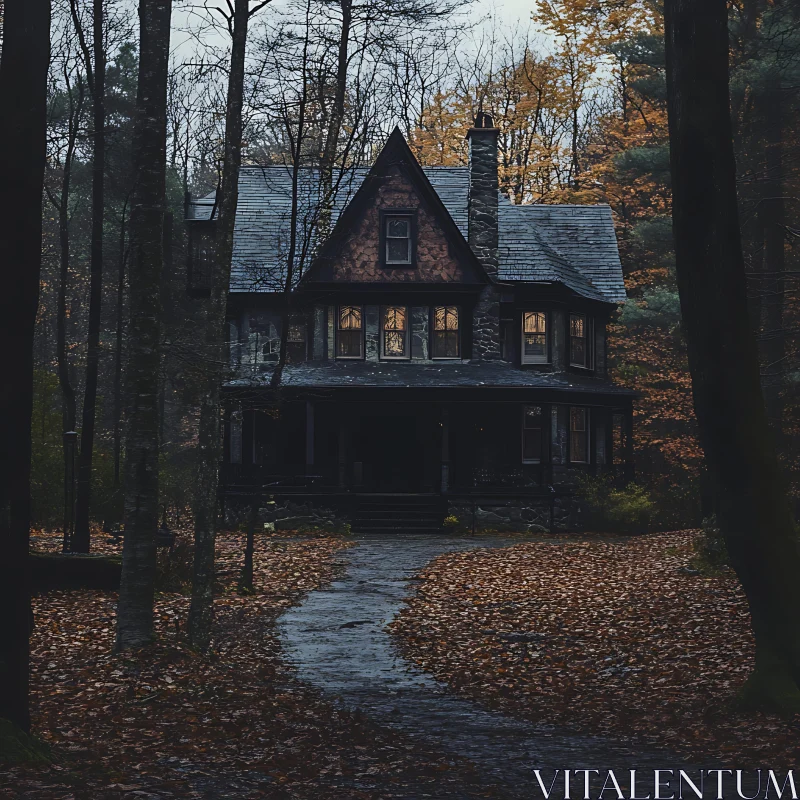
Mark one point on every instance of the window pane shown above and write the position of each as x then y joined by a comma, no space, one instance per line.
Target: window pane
579,435
394,318
398,251
397,227
578,352
534,322
577,325
445,344
445,318
349,344
394,343
536,345
350,318
297,332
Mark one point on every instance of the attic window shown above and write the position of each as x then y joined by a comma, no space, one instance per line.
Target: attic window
398,239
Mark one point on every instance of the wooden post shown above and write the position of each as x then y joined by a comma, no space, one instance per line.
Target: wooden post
445,450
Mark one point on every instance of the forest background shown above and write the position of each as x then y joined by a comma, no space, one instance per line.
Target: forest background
579,96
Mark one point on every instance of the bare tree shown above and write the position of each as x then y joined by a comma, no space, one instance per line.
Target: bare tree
137,587
754,511
23,98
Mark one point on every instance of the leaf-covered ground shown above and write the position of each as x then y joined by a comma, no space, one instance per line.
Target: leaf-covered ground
168,722
601,636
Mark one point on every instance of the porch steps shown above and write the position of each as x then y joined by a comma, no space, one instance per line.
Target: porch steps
398,513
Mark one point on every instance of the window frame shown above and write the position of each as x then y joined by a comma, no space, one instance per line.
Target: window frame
587,433
384,215
531,359
338,330
587,338
542,428
406,338
432,335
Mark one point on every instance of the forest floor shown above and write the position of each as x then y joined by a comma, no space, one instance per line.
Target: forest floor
613,637
169,722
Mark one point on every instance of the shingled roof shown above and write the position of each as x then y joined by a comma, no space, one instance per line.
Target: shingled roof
569,244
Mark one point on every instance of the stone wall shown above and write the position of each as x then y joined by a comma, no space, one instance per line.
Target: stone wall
288,515
518,515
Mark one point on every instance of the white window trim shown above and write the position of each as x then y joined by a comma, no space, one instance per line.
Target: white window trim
588,328
386,220
536,359
407,338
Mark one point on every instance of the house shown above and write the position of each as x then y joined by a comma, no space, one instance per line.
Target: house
446,349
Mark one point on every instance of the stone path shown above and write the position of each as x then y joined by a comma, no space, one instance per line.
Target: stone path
338,642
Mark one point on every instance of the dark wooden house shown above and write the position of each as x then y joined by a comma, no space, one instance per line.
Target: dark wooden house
446,349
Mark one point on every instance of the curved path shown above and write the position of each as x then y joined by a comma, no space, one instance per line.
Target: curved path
338,643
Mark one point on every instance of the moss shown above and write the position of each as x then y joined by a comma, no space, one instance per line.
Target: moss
18,747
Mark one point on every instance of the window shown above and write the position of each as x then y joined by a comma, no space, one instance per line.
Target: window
579,435
579,341
445,332
296,342
394,343
534,337
270,343
532,427
398,239
349,333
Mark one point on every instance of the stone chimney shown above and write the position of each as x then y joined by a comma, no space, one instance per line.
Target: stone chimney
483,188
483,234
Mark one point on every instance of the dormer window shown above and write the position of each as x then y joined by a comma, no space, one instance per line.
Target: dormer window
579,350
394,343
350,332
534,337
398,239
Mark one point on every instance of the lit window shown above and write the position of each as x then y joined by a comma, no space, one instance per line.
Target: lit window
445,332
296,342
395,332
532,426
349,338
578,340
579,435
534,337
398,240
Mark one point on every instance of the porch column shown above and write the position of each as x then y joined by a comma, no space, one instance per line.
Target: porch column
445,450
342,454
309,438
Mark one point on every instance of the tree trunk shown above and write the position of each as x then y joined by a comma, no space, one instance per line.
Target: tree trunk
771,221
246,577
123,256
135,608
201,612
754,511
336,120
81,538
23,96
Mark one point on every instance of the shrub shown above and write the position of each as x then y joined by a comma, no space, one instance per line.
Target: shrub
627,509
710,551
452,521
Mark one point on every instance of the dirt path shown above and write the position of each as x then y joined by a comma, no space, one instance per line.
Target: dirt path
337,640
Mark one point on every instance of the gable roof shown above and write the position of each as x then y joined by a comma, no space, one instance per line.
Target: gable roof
395,154
575,245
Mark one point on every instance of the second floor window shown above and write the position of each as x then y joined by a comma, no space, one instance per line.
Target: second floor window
445,342
534,337
579,352
398,239
394,343
349,332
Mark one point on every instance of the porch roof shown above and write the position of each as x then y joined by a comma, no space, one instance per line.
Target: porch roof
489,375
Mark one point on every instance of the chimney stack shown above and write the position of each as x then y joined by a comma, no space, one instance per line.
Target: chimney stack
483,188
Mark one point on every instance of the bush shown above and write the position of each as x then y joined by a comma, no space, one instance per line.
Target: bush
174,567
624,510
710,551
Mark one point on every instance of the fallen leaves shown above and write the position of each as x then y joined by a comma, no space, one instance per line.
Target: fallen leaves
607,637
